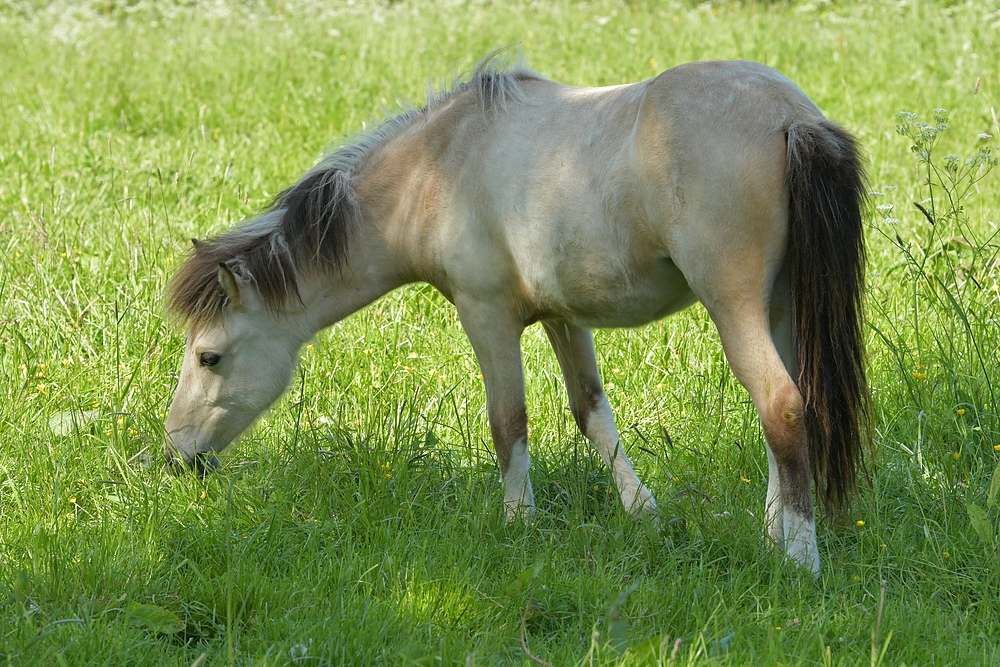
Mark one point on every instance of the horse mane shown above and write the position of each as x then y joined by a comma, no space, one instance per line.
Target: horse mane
307,227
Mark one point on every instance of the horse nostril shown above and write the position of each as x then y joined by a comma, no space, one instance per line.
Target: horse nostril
175,464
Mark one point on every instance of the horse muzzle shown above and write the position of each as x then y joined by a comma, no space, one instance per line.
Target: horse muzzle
180,459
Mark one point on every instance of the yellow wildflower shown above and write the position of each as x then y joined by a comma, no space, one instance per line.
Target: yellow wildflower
860,523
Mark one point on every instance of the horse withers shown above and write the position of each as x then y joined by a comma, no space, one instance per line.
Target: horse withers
524,200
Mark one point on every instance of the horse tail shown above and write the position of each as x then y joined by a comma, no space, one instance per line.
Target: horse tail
826,266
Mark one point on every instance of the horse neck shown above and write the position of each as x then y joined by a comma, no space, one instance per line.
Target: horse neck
331,294
387,249
399,191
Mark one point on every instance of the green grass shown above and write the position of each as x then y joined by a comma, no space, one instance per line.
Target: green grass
360,522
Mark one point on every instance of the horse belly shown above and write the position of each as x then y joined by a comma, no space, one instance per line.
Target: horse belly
626,297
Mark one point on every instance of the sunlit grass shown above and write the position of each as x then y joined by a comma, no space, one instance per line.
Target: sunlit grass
360,521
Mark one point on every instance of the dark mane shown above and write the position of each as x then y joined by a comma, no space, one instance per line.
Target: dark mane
308,226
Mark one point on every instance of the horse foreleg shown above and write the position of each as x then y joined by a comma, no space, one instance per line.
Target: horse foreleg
574,348
496,340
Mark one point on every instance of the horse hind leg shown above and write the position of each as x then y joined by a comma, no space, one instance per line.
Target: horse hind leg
574,348
781,336
757,364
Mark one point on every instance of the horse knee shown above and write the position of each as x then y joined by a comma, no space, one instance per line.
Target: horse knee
783,421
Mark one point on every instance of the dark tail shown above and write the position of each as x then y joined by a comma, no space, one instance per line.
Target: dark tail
826,262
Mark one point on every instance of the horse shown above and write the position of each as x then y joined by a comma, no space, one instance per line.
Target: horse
524,200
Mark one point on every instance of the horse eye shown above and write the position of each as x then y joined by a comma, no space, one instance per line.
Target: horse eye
209,359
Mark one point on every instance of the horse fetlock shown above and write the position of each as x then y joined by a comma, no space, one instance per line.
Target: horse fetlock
638,500
519,499
519,502
800,540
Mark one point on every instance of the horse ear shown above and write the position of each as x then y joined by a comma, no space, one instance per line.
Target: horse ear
196,243
230,283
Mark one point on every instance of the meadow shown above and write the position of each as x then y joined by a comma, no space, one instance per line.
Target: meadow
360,521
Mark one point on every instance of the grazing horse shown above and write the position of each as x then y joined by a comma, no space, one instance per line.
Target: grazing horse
524,200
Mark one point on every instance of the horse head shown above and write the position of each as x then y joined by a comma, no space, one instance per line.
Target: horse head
236,364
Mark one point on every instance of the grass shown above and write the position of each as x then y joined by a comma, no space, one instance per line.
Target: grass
360,522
